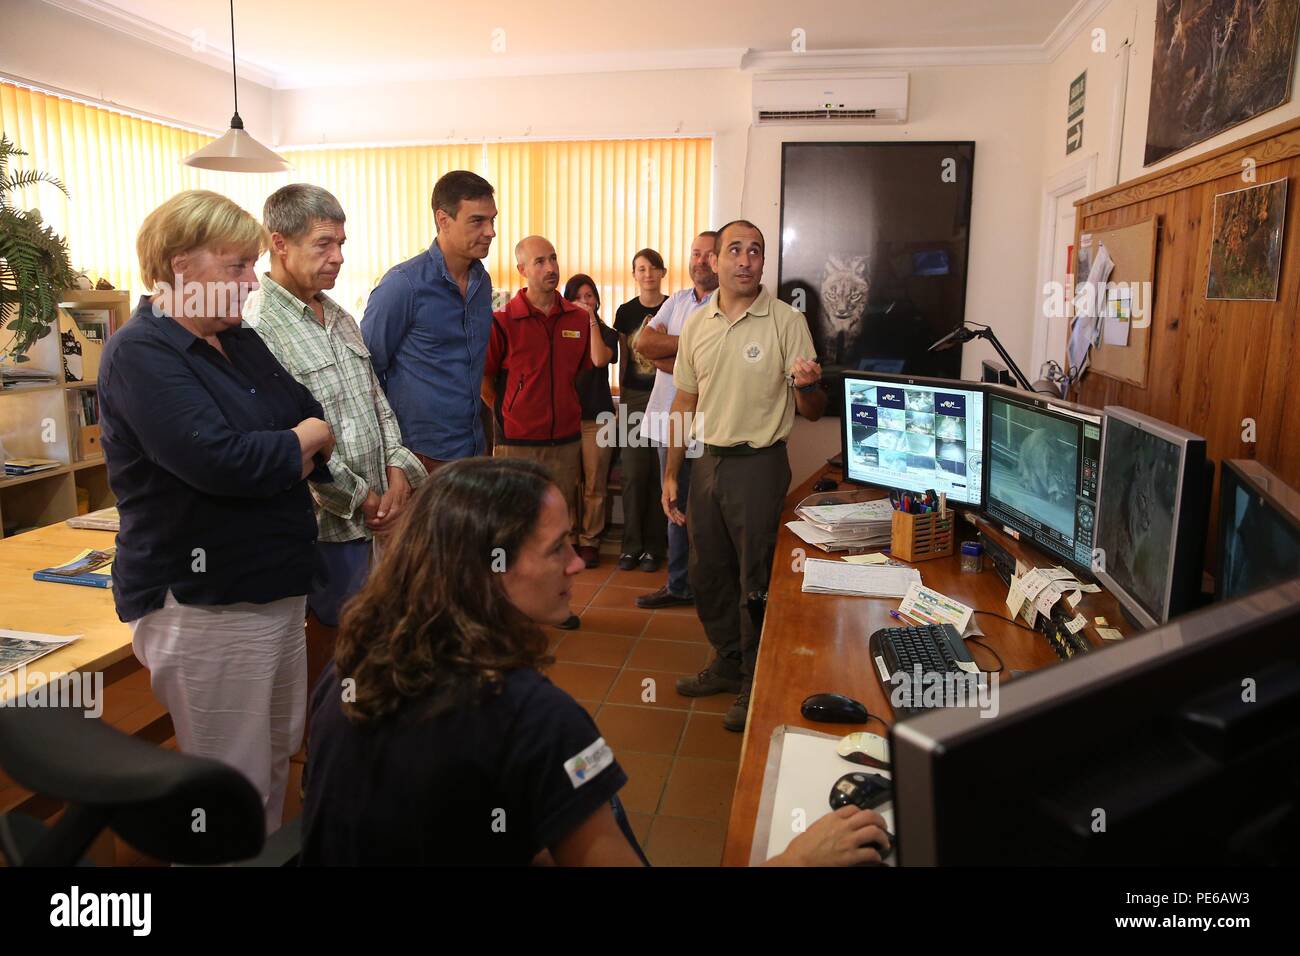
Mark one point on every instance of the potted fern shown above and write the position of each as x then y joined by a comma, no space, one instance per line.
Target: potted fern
34,265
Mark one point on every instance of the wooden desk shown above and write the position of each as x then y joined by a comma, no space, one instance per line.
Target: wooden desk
61,609
817,643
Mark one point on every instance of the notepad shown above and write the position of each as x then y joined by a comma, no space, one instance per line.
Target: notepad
857,580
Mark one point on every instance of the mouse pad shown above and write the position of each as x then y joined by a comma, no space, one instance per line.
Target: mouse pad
802,766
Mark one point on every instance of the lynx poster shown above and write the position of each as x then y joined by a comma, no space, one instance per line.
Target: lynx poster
873,250
1216,63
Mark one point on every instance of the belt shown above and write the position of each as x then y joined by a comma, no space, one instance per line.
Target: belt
735,451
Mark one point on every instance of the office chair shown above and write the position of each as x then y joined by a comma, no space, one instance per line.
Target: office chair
172,806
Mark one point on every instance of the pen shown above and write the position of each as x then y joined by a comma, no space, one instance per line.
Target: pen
900,616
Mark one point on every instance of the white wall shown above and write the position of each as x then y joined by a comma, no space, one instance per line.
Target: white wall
1134,20
49,46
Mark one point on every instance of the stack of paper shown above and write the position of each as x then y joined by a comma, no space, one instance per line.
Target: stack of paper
1037,590
841,527
858,580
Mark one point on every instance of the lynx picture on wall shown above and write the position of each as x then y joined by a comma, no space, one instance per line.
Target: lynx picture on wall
1246,242
873,250
1216,63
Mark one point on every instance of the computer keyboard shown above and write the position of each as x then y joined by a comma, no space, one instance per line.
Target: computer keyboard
935,649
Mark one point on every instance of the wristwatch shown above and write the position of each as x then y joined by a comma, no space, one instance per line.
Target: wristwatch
809,387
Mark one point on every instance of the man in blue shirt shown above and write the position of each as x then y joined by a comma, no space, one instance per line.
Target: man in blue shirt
427,324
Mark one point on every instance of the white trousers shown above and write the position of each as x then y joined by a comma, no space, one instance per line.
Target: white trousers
234,679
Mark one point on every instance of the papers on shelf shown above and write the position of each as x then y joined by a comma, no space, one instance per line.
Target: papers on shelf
854,513
1037,590
836,541
837,522
928,605
1077,624
858,580
1109,634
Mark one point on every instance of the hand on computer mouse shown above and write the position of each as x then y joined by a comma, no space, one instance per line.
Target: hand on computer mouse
837,839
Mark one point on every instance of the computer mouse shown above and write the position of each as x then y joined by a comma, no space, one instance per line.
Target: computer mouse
885,852
870,750
866,791
826,484
834,708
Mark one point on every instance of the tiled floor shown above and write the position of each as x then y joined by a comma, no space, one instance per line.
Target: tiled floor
622,665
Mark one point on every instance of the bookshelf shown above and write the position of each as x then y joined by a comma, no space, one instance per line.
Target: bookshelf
42,421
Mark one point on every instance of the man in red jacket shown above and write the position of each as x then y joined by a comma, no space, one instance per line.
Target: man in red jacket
542,341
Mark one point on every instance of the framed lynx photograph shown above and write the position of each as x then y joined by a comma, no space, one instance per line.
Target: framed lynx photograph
873,250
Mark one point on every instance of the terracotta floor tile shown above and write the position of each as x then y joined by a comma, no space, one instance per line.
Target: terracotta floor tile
675,841
582,595
582,681
706,737
715,704
630,688
675,656
640,825
621,598
676,627
609,650
641,580
700,789
596,576
687,609
642,729
646,776
608,621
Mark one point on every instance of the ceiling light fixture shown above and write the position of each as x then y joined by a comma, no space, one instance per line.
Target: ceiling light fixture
236,151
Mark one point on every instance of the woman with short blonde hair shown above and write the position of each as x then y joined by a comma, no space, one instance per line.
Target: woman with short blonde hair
209,442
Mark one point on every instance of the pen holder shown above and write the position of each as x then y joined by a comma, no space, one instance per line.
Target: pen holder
921,537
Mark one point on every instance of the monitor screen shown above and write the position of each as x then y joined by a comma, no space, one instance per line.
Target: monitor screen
914,434
1150,473
1041,472
1259,530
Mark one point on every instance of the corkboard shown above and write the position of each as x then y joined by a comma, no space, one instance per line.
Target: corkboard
1133,250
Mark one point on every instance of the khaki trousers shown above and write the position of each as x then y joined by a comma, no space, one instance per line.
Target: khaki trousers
564,462
595,480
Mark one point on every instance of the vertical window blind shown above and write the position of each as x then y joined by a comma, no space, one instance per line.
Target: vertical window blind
597,201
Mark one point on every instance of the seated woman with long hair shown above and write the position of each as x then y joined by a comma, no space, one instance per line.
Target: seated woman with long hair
435,737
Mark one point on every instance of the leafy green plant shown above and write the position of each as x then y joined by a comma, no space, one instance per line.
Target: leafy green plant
34,265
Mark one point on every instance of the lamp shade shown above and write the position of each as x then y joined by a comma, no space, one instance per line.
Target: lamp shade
237,152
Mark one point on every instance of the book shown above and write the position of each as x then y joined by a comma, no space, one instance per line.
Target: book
28,466
90,568
106,519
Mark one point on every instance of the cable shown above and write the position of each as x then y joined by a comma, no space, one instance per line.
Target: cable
1001,666
1003,617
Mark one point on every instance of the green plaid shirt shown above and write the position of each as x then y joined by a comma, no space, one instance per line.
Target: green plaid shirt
334,364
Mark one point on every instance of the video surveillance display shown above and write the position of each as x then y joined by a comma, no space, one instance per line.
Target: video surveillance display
1140,483
915,435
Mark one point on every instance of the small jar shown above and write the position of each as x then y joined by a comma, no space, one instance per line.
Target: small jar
972,556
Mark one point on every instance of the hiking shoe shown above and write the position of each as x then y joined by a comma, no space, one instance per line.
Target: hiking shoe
707,683
734,718
649,564
626,562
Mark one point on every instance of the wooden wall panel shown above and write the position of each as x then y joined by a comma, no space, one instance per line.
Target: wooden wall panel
1213,363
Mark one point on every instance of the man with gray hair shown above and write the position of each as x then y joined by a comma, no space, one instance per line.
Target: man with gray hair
319,343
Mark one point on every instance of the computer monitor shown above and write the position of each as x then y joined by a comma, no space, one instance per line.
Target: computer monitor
1175,746
1041,465
1259,529
1151,515
914,434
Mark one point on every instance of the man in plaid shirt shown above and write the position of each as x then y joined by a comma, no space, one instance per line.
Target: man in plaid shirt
319,343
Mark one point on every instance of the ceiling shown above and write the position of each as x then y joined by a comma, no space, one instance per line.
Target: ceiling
295,43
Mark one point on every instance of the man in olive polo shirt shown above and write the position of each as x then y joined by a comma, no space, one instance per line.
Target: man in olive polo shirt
744,364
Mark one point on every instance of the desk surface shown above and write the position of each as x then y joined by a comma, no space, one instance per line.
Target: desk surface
817,643
60,609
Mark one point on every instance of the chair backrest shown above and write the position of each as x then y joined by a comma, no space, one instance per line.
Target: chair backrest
172,806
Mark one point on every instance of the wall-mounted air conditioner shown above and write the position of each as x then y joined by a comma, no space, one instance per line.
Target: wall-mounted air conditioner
792,98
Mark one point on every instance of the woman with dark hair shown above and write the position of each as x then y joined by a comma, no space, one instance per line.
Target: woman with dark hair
645,530
593,392
436,739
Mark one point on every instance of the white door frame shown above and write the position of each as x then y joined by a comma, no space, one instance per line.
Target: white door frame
1082,174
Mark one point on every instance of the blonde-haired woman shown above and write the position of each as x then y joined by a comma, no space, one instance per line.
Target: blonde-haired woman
208,442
